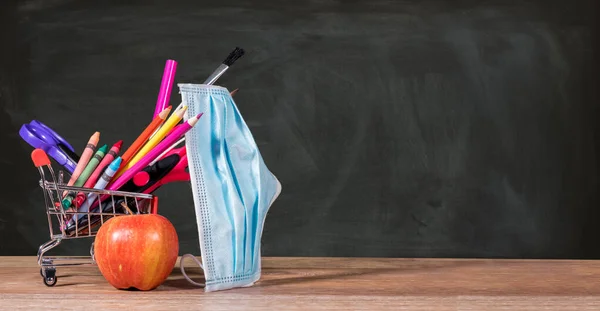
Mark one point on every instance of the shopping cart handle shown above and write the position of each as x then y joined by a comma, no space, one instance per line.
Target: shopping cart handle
39,157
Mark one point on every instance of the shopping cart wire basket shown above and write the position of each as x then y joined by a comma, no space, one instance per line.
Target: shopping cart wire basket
65,224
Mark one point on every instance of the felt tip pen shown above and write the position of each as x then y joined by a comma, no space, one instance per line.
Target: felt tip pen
166,85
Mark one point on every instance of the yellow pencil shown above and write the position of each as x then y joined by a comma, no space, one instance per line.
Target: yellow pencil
158,136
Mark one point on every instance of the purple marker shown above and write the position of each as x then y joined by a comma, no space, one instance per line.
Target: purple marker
165,87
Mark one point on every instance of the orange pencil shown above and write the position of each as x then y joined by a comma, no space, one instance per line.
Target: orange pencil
141,140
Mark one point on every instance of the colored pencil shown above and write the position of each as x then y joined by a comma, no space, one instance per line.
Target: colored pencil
167,150
160,134
143,138
177,132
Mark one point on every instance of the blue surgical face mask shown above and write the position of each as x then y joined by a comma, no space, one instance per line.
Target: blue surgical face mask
232,189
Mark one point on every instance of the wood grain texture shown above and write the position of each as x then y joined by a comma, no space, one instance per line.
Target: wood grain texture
327,283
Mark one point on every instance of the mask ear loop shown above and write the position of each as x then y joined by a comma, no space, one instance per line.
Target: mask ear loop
183,270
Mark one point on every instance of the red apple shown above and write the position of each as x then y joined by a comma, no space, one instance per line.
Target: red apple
136,251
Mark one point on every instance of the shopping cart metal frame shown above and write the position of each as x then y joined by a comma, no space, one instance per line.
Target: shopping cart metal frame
61,228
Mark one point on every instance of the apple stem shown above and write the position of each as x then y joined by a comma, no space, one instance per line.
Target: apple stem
126,208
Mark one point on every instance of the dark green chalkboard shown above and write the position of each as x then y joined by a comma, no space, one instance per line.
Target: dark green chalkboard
397,128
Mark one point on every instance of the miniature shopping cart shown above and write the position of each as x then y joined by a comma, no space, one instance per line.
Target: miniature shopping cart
65,224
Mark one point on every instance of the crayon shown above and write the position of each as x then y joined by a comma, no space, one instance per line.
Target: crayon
177,133
108,158
89,169
160,134
100,184
139,142
84,159
92,164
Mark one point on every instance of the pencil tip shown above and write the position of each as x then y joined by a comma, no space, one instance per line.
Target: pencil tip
163,114
182,110
194,120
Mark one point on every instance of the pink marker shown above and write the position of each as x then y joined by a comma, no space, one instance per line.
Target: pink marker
175,134
166,86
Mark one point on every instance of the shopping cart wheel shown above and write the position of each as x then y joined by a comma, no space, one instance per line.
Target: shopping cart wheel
49,276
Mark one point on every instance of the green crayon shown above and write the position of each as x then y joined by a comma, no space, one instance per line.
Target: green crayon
91,166
89,169
67,201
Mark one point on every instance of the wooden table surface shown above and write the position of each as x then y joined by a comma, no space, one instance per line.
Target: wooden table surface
326,284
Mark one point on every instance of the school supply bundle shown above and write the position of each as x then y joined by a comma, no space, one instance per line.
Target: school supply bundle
53,189
231,185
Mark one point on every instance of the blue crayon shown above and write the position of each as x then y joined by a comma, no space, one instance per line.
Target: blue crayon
110,171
